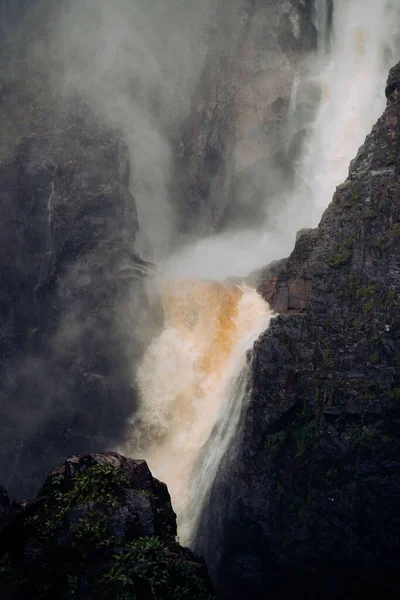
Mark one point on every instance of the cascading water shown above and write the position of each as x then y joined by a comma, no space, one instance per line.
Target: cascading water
352,65
194,377
191,382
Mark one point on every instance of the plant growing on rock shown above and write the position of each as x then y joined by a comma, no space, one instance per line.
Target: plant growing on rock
92,535
338,258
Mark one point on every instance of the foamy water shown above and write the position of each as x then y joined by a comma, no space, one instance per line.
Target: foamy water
349,68
365,42
187,381
194,376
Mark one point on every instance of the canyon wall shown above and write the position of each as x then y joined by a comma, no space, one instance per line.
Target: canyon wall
310,503
231,157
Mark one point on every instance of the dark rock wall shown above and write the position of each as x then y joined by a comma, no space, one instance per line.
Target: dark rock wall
100,527
71,288
231,156
309,505
70,296
71,282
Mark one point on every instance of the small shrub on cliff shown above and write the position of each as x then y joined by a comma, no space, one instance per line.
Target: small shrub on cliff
306,437
97,484
338,258
274,443
306,433
140,566
83,543
142,570
368,441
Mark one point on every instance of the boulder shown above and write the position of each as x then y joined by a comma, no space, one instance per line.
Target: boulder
101,526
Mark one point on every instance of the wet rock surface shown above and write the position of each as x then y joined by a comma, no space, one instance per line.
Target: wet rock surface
232,138
309,505
100,527
70,294
393,84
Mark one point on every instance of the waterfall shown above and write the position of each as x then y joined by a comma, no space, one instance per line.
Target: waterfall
194,377
351,71
322,15
192,381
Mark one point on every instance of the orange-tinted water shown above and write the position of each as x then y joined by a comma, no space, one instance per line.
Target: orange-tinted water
186,378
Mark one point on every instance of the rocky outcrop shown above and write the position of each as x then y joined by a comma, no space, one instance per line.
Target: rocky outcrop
393,84
309,506
70,293
289,290
101,527
231,152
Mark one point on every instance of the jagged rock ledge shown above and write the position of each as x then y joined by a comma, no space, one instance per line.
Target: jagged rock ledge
310,504
100,527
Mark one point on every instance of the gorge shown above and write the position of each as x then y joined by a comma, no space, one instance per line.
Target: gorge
159,163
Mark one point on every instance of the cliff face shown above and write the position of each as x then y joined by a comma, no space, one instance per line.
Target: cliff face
71,284
70,294
101,527
233,134
310,503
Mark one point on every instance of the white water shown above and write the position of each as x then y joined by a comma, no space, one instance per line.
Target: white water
365,43
349,68
190,386
193,377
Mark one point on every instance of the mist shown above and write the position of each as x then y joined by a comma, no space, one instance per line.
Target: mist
200,92
336,97
74,74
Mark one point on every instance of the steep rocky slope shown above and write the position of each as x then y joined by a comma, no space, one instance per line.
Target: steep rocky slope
71,283
231,151
310,503
101,527
70,294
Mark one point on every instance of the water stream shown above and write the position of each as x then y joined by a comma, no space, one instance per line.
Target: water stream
194,376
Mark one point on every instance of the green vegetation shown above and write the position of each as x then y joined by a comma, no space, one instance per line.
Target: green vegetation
368,307
274,443
339,258
395,229
80,552
349,243
390,299
395,394
367,292
97,484
306,437
354,198
142,570
358,291
367,440
306,433
332,473
327,358
391,159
